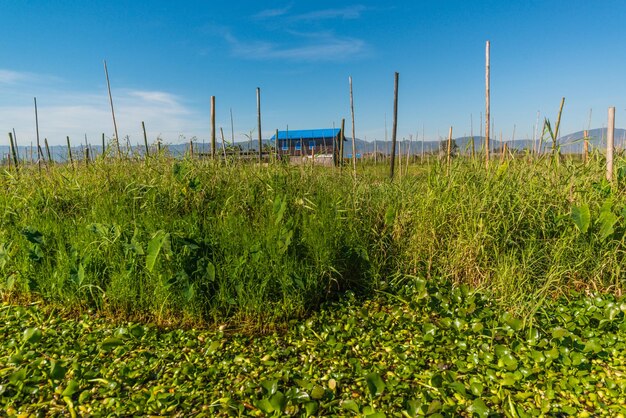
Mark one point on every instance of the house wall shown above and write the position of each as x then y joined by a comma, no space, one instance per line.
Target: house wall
306,147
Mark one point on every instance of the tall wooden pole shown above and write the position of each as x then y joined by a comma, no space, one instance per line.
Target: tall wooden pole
13,151
276,143
394,129
610,133
487,104
145,139
213,144
342,139
117,138
223,144
353,132
69,151
45,141
258,116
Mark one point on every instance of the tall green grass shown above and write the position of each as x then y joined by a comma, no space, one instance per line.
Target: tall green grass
201,241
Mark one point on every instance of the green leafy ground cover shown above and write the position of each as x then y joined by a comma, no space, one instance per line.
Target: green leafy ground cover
431,349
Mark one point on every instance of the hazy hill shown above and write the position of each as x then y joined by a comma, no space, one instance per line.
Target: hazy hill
570,143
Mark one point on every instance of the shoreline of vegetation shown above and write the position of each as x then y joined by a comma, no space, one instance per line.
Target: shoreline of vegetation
202,242
298,290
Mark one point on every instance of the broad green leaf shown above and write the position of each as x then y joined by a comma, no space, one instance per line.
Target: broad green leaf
33,236
159,242
607,220
110,343
318,392
269,386
17,377
57,371
311,408
375,384
581,217
350,405
265,405
478,408
213,347
71,388
476,388
278,401
31,335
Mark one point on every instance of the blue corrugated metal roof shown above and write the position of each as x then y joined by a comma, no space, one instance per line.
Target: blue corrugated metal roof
307,134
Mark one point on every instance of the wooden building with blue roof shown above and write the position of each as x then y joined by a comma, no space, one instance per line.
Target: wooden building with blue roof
307,142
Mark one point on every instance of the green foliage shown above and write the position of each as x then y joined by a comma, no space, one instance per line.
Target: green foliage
204,242
351,358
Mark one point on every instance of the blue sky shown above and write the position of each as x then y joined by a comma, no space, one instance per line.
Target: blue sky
167,58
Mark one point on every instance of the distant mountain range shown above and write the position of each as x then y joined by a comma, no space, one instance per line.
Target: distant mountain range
570,144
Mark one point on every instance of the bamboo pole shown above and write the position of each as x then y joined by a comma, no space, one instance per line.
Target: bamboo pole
353,133
223,143
258,114
104,147
342,139
487,103
145,139
45,140
276,143
69,151
213,144
117,138
610,133
394,129
39,154
17,147
14,152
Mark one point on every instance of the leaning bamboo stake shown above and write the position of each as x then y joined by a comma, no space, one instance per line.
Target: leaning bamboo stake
223,143
17,147
353,133
117,138
394,128
45,140
39,155
145,139
213,144
487,104
14,152
258,115
610,133
69,151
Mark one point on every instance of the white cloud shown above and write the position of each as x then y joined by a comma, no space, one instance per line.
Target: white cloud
271,13
350,12
320,47
13,77
76,113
